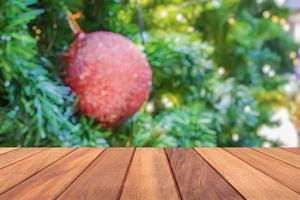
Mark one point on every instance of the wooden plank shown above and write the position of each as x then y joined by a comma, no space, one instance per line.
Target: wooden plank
149,176
250,182
103,178
17,155
196,179
282,172
52,181
280,154
8,149
293,150
15,173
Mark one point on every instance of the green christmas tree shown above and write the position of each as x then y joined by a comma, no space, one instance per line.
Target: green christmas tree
218,68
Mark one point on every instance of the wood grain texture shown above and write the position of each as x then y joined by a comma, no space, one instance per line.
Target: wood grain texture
250,182
149,173
280,154
104,178
282,172
8,149
15,173
17,155
196,179
293,150
149,176
53,180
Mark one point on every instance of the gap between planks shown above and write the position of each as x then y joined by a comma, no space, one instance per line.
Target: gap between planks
173,175
126,175
74,180
196,178
7,154
149,176
8,149
233,168
99,179
218,173
58,176
259,158
38,171
170,168
281,155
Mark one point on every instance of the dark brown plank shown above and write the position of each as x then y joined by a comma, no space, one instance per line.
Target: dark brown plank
8,149
103,178
293,150
15,173
250,182
280,171
280,154
196,179
52,181
149,176
17,155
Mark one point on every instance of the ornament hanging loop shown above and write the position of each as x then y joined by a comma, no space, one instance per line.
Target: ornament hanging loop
71,18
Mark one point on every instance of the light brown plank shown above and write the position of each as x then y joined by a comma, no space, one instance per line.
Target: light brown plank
7,149
17,155
15,173
103,178
52,181
250,182
280,171
196,179
293,150
280,154
149,176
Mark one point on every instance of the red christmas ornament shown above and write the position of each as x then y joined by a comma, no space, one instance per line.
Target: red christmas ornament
109,74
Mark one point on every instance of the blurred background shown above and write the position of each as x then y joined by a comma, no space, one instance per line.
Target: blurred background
225,72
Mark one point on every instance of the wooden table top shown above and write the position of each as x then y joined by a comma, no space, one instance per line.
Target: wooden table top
149,173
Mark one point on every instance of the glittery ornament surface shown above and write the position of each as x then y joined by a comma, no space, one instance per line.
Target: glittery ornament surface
109,74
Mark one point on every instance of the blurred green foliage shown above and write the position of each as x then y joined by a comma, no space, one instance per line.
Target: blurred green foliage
218,67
